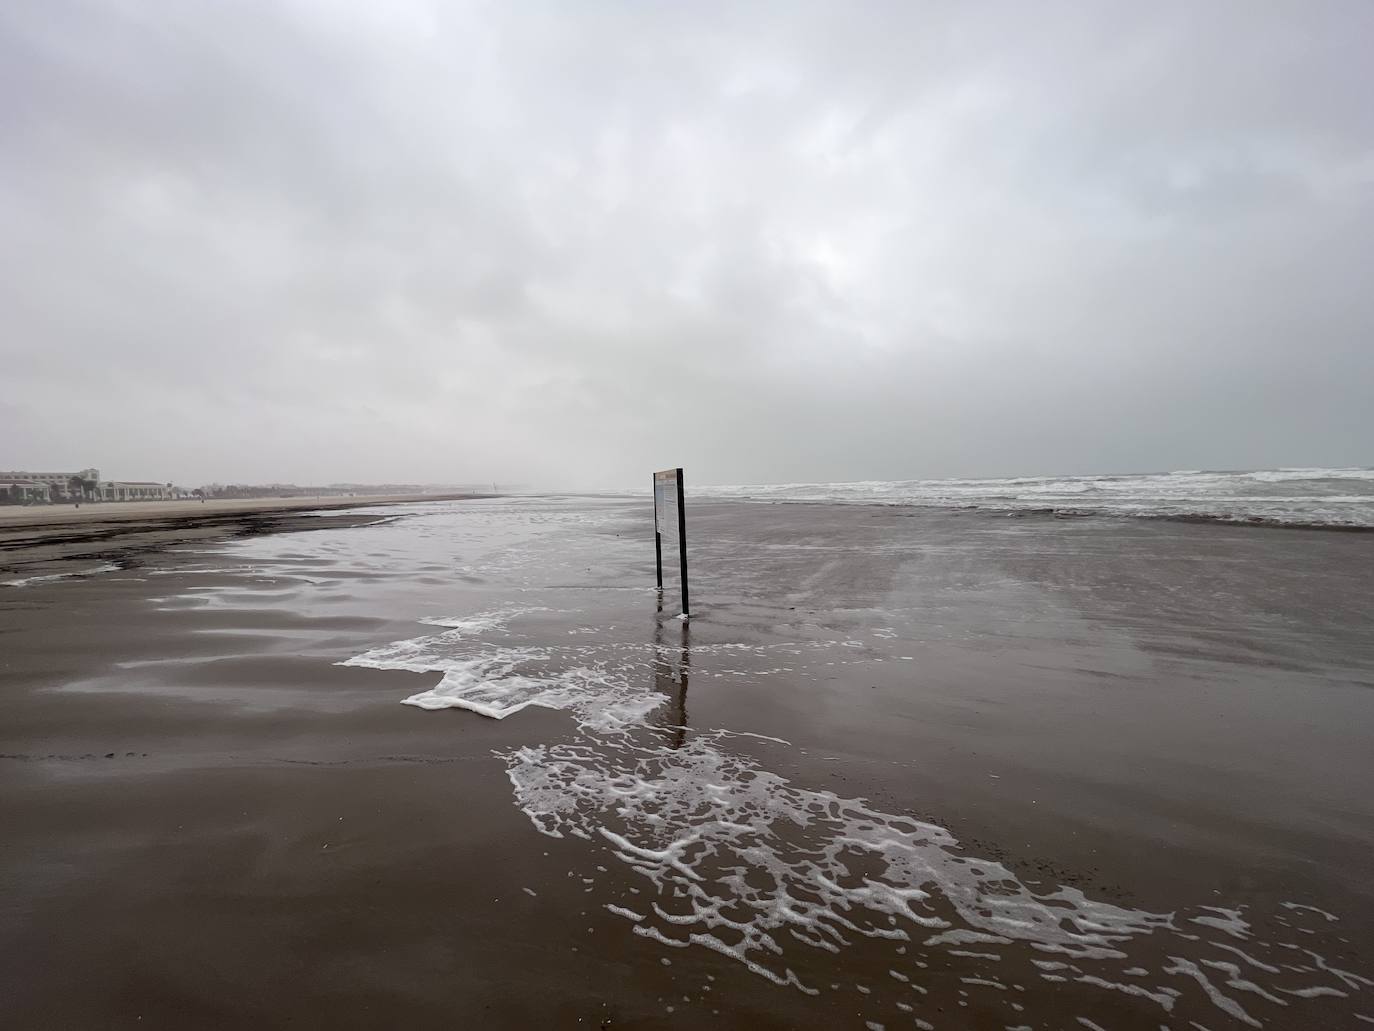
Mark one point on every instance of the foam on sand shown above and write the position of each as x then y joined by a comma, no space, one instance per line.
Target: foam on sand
77,574
745,863
491,685
498,680
750,856
785,878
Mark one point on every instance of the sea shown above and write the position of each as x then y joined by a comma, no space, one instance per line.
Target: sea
1317,497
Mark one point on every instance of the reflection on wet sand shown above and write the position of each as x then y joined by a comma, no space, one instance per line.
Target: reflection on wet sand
672,667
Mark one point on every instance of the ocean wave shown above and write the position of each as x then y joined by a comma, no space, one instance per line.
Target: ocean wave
1292,498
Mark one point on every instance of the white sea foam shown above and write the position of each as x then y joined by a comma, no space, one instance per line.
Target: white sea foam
1311,909
1335,497
498,680
76,574
746,856
481,622
491,683
736,858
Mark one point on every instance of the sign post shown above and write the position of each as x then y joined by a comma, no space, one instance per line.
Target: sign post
658,537
668,494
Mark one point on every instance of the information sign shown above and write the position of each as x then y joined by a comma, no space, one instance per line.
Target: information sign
670,522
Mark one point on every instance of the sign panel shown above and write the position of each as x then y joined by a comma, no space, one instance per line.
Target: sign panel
670,524
665,494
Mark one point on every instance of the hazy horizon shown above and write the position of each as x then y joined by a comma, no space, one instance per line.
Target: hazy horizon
450,243
515,486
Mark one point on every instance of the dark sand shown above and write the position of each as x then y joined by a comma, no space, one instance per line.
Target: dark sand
41,539
209,824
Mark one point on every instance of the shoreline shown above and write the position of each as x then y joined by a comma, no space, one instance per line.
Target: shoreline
37,540
134,511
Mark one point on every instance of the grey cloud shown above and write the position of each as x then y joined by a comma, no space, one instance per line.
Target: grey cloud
799,241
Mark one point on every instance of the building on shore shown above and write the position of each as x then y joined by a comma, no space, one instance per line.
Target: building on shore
25,487
23,492
28,487
136,490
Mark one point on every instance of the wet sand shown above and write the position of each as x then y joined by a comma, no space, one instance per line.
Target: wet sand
38,540
139,511
210,823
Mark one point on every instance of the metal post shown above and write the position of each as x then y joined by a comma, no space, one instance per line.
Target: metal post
682,541
658,538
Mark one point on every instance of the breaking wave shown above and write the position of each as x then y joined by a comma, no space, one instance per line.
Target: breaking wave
1310,498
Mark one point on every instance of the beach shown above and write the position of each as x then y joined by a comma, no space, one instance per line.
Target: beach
902,767
40,540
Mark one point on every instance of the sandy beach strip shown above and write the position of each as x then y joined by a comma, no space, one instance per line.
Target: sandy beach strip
53,516
37,539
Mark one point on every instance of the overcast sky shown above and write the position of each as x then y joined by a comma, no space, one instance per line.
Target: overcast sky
567,244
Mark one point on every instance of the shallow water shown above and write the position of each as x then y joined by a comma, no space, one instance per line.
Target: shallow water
788,877
938,772
740,860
